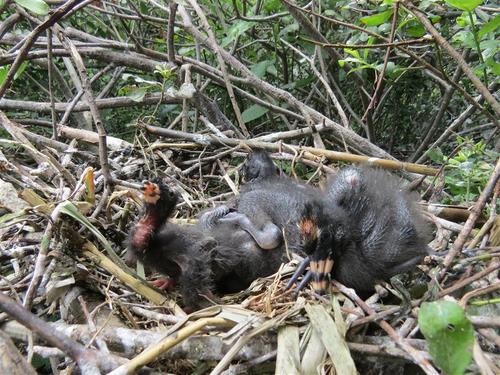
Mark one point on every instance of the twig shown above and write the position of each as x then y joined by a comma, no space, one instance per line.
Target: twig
469,224
386,60
87,360
91,252
220,59
82,71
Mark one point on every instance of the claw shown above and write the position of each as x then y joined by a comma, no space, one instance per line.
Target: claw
304,282
299,271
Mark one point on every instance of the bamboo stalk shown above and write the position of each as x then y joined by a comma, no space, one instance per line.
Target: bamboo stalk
308,151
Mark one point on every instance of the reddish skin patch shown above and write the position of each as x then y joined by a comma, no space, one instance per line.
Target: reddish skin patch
308,228
164,284
143,230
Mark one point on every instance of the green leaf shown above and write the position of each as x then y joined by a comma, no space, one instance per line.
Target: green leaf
253,112
413,28
353,52
468,5
137,93
260,68
489,26
39,7
436,155
448,333
3,73
495,67
238,28
377,19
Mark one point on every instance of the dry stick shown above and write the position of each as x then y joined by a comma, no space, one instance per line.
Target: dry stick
82,72
32,37
423,40
87,359
386,60
331,155
50,73
469,224
170,32
459,285
116,102
41,259
469,111
76,99
453,53
322,79
222,64
445,101
8,23
416,356
152,353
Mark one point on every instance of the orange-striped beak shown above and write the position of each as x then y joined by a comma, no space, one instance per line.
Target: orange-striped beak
320,270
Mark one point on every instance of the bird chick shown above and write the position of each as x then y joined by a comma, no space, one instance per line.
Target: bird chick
369,226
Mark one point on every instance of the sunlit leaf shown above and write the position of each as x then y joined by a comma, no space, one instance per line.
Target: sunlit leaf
39,7
468,5
377,19
448,333
89,185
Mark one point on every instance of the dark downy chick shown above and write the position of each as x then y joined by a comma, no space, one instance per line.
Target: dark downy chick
180,252
223,259
384,235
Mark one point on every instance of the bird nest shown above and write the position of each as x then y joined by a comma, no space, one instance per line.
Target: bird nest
62,231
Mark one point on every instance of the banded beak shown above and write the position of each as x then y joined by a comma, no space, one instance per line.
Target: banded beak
320,270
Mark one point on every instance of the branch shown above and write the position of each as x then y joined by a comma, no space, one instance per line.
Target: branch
117,102
482,89
32,37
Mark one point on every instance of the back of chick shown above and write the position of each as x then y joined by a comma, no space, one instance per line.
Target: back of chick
391,232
